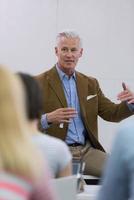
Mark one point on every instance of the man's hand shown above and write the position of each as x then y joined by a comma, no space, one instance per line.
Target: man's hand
126,95
61,115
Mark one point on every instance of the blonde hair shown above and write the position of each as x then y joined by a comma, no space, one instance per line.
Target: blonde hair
17,153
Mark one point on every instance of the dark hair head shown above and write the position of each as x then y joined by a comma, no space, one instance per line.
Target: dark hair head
33,96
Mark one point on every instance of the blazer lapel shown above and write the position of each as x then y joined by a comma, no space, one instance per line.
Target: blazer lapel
56,84
83,93
82,89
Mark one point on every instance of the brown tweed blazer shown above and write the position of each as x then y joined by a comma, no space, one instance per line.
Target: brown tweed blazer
92,101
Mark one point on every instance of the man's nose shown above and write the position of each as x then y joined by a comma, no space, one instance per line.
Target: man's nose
69,53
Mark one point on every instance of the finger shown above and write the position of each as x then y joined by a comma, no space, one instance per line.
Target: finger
125,94
69,117
127,98
131,101
70,113
124,86
68,109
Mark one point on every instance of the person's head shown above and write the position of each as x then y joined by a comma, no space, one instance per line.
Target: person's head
16,148
33,96
68,50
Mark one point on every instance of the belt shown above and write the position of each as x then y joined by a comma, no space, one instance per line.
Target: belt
75,144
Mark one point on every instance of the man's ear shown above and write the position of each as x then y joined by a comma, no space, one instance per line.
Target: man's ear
81,52
56,50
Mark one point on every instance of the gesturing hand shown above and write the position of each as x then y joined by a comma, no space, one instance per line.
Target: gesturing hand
126,95
61,115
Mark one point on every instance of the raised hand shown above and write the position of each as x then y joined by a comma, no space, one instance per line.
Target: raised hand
126,94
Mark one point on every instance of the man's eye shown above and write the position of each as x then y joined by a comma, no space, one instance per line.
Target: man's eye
74,50
64,50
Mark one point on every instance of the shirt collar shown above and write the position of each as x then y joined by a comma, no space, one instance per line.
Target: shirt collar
62,74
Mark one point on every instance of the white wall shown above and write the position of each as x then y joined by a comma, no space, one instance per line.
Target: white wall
27,38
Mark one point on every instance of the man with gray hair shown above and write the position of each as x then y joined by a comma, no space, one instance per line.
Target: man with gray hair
73,102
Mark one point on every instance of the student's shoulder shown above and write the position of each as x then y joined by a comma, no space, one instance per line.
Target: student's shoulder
126,129
125,137
60,144
47,139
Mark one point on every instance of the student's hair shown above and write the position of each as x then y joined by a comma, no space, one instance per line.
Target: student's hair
33,96
68,34
17,153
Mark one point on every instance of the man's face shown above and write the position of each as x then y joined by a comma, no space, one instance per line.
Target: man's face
68,52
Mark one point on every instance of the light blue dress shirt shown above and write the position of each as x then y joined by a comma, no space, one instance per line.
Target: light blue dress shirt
76,130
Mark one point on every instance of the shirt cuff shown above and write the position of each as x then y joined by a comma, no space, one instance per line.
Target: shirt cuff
130,106
44,122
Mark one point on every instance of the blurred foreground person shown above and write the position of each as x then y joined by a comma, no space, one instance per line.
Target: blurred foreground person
22,172
118,180
55,150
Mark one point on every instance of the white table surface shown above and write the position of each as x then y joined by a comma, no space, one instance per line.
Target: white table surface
90,192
